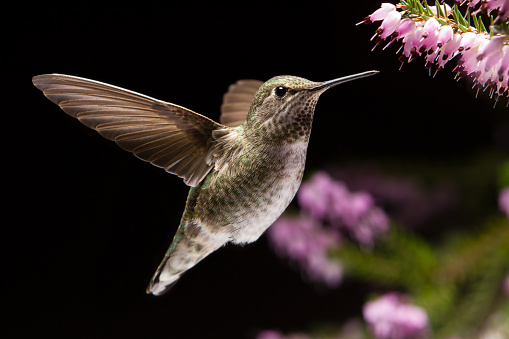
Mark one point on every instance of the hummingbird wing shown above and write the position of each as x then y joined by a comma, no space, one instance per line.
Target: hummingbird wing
237,101
164,134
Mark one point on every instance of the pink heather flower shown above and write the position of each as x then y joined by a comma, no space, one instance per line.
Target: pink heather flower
381,13
392,317
327,209
330,201
414,35
503,201
483,56
416,43
429,42
389,24
269,334
321,268
466,40
484,61
493,46
314,195
431,26
449,50
504,65
405,27
445,35
307,242
492,52
350,207
374,223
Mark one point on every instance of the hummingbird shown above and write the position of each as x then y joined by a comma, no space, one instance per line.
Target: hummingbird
243,172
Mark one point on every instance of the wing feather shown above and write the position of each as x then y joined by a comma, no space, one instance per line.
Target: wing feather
164,134
237,101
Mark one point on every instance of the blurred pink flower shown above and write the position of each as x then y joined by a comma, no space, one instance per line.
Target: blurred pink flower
315,195
269,334
503,201
307,242
400,195
392,317
328,208
355,212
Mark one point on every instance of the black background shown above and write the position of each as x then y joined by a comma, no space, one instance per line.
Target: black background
86,223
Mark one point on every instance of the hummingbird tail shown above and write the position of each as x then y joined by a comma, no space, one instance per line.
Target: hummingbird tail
189,247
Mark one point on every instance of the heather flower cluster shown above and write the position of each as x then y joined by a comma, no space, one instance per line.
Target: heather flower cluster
329,212
355,213
400,195
439,33
392,316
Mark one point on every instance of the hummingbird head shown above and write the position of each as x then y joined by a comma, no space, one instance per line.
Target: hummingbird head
284,106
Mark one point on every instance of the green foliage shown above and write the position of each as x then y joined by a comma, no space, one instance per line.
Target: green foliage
415,9
457,283
503,177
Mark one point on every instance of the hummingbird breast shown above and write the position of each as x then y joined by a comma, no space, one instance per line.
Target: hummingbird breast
239,205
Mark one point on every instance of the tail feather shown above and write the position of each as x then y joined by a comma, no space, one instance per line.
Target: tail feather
189,247
160,285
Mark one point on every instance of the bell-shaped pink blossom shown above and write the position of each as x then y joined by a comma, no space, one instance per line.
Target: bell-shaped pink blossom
492,51
467,39
405,27
492,46
449,50
502,75
430,58
504,64
430,41
382,12
445,35
430,26
412,42
390,24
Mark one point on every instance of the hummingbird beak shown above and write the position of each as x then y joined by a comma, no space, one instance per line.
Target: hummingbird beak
332,83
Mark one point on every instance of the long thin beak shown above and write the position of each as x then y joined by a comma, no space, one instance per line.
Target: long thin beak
332,83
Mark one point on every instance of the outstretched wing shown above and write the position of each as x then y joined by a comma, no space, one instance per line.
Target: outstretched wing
237,101
166,135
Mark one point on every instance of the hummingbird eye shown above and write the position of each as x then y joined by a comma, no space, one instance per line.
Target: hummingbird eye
281,91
